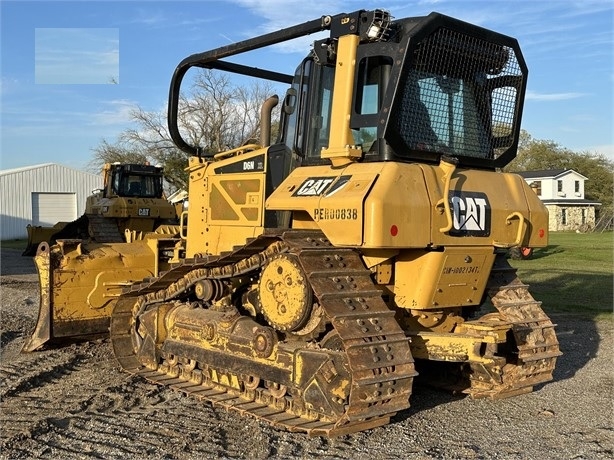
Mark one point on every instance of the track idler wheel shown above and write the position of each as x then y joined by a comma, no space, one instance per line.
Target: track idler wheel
286,299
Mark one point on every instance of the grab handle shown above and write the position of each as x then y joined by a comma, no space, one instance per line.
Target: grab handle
448,165
519,234
183,228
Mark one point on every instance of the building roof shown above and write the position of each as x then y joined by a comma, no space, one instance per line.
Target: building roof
6,172
571,202
547,173
23,169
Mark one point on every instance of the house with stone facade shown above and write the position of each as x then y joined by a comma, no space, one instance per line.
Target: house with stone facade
562,191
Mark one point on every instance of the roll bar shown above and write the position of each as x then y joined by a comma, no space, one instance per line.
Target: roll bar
212,60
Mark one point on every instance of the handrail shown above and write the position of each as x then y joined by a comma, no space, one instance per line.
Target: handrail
227,153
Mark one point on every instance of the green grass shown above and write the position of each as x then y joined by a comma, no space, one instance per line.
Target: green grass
13,244
574,274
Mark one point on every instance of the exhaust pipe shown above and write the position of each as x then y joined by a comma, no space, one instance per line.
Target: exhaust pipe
265,120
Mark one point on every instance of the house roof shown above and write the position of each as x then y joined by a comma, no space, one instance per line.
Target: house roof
571,202
548,173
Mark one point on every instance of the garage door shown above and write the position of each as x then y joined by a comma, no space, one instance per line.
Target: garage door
50,208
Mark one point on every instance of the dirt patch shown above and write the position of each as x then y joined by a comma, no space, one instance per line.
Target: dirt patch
74,402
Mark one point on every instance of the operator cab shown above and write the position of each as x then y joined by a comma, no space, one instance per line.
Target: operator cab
456,91
134,180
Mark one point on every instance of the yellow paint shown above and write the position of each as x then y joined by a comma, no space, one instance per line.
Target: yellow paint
341,150
85,286
225,208
455,276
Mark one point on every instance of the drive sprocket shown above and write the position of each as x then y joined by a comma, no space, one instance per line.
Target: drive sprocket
286,300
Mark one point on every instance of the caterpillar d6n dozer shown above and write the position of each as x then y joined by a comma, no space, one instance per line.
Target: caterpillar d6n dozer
132,199
317,275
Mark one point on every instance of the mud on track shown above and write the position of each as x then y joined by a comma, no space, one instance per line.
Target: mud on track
74,402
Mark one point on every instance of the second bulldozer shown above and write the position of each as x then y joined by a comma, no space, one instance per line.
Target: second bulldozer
315,276
132,198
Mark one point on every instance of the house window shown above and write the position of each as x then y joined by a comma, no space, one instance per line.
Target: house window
536,186
563,216
577,186
559,185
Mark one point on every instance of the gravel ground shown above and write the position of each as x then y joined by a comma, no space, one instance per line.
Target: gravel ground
74,402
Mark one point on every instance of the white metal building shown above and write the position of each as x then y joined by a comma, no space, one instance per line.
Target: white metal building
42,195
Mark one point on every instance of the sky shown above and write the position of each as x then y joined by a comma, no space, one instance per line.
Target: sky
71,72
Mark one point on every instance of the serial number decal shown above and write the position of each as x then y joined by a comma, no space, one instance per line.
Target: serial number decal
144,212
335,214
471,270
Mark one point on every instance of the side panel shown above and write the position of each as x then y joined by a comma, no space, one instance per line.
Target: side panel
226,204
487,208
398,209
434,279
332,198
340,211
402,205
406,209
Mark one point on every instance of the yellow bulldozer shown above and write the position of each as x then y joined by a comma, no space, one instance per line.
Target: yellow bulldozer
316,276
132,198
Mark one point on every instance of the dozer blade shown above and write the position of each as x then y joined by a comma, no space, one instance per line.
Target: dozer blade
38,234
79,286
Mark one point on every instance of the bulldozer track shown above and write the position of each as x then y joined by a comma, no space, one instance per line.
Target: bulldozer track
534,334
376,349
104,229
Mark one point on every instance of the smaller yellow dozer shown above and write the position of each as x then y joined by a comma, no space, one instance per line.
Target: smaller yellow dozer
132,199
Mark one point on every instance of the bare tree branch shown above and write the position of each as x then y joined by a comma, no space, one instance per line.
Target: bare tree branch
214,115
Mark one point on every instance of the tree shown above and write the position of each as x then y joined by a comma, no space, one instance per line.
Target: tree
537,154
215,115
600,172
